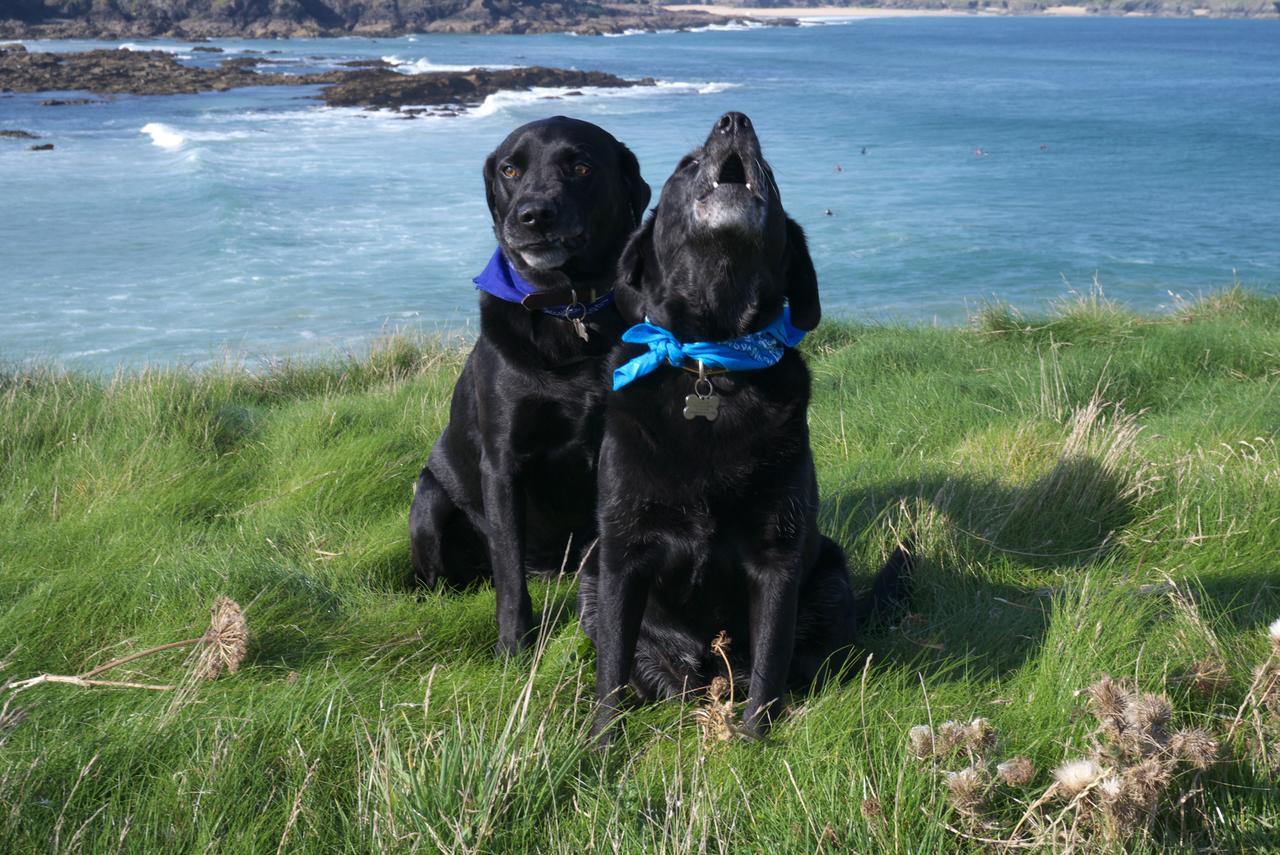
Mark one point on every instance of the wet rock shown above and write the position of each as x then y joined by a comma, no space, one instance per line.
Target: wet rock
65,102
41,147
390,90
372,84
207,49
17,135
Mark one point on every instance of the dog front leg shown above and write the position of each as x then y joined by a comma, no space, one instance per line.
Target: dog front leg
773,633
623,589
504,510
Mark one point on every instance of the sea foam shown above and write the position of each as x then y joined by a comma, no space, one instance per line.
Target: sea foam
163,135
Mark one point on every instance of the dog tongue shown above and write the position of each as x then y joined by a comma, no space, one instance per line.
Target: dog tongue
732,171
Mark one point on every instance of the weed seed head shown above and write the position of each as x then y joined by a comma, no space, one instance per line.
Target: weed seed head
1016,771
951,735
226,641
980,736
1075,775
920,741
967,791
1194,746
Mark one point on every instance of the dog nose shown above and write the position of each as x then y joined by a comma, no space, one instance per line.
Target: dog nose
733,123
536,212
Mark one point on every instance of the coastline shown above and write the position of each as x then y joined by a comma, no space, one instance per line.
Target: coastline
770,14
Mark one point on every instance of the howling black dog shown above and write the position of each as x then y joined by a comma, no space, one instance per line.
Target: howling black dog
510,486
708,500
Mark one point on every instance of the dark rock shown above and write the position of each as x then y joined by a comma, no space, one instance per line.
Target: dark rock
63,102
391,90
18,135
207,49
41,147
373,86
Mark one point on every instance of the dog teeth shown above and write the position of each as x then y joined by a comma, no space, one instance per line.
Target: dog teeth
715,185
748,185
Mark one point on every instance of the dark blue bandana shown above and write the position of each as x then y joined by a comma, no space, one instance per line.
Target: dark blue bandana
503,281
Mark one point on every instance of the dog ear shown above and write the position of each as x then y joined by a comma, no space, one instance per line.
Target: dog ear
802,280
490,175
628,293
638,192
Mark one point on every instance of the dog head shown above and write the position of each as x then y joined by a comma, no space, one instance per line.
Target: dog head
564,195
719,256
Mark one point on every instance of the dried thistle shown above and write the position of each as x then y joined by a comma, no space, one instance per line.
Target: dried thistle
1143,782
1016,771
1074,776
951,735
871,810
980,736
1147,717
716,720
720,644
1108,700
1194,746
967,791
920,741
716,717
225,642
719,689
1207,677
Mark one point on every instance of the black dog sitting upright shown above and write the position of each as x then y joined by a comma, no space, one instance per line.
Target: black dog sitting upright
708,497
510,483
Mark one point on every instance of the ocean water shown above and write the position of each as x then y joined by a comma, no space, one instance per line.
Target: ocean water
961,159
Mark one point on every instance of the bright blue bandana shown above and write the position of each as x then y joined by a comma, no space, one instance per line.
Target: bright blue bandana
754,350
503,281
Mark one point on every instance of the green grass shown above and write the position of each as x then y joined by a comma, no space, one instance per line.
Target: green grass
1051,470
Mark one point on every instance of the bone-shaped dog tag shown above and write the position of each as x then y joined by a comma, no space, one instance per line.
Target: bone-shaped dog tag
699,407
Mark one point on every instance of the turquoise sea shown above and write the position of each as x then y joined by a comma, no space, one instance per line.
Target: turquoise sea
961,159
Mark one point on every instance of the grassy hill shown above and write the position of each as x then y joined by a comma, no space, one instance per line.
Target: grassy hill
1091,492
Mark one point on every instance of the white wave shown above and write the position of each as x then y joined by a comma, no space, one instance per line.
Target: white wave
501,101
424,65
166,48
634,32
733,26
163,135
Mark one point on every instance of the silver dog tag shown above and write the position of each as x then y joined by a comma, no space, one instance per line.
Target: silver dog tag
699,407
579,327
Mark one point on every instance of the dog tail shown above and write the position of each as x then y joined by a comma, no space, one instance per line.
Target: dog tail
890,592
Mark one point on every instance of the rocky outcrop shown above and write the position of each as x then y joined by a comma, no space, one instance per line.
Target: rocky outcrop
310,18
391,90
371,84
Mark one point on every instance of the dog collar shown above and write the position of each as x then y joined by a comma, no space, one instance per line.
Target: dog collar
750,352
503,281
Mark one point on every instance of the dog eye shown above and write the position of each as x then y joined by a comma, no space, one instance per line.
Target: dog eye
510,171
582,170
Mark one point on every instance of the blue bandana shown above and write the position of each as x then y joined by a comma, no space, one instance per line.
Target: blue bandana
503,281
749,352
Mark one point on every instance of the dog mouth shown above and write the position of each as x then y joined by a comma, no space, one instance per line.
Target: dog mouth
550,252
732,171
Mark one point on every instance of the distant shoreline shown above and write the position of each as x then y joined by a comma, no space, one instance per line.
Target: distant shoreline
815,13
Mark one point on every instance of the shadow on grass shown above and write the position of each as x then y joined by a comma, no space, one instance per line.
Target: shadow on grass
1062,522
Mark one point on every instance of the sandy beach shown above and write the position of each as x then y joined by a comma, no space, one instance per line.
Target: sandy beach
803,13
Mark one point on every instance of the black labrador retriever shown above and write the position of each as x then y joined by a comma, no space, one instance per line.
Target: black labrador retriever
708,499
510,486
